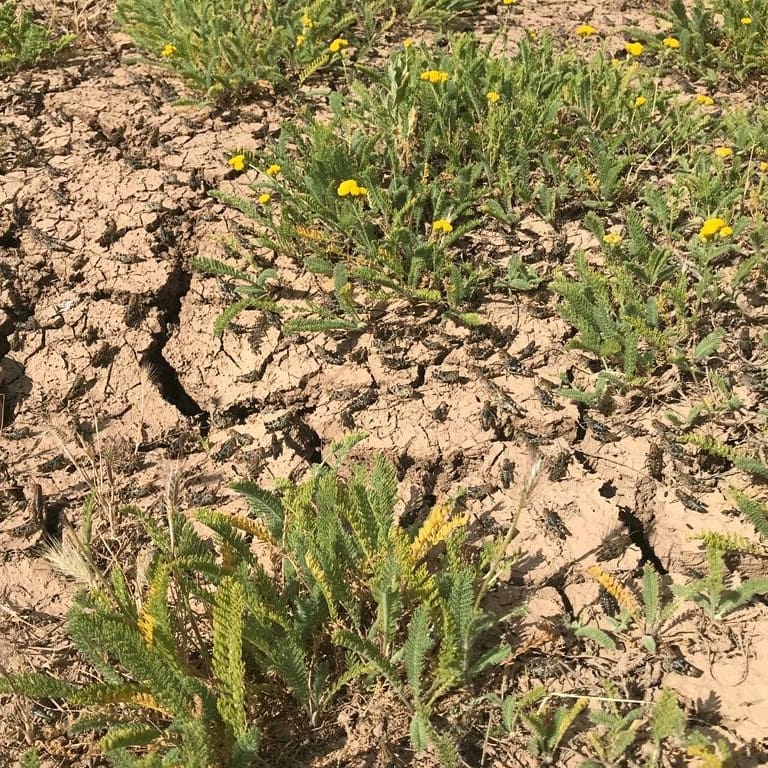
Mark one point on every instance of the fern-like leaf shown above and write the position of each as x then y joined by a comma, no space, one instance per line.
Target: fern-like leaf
417,645
264,504
755,511
128,735
731,542
216,267
228,665
313,66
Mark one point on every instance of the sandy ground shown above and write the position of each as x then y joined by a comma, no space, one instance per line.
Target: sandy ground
107,358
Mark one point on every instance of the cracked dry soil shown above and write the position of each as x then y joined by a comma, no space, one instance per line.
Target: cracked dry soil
106,342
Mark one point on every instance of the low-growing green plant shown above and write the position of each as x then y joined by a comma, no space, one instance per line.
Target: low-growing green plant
25,43
226,49
255,290
645,619
754,510
547,726
718,592
625,732
615,321
416,158
638,310
341,593
615,733
723,40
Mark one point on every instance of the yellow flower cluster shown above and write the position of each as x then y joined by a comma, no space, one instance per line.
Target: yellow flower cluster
169,49
723,152
716,226
640,100
585,30
671,42
352,188
442,225
436,528
434,76
612,238
338,44
273,170
704,100
746,20
237,162
634,49
265,198
300,40
493,96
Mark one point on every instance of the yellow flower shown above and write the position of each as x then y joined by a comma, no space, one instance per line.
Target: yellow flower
300,39
746,20
265,198
763,166
238,162
671,42
640,100
585,30
493,96
434,76
350,187
273,170
509,2
612,238
408,42
711,227
634,49
338,44
704,100
723,152
168,50
725,231
442,225
306,22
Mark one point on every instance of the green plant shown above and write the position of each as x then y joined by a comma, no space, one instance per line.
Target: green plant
23,42
349,595
616,731
754,510
255,290
714,40
717,592
548,727
30,759
649,616
390,211
612,316
667,725
225,49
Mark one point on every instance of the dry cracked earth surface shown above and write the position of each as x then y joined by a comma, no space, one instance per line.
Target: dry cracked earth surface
110,373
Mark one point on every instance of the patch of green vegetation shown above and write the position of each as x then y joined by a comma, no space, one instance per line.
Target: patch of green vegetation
349,596
226,49
23,42
716,41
